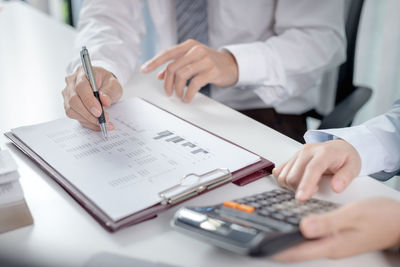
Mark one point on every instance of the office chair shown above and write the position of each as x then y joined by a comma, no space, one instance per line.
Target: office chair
349,98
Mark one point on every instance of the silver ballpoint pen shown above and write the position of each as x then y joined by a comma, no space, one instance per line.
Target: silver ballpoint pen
87,67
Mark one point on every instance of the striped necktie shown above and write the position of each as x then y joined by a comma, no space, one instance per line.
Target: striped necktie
191,21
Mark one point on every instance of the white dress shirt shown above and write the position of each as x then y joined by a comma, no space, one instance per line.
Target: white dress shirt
282,47
377,142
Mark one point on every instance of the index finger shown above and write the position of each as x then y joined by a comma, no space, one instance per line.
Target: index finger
169,54
277,170
85,93
312,174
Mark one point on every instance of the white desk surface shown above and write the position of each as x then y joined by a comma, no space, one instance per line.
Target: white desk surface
34,51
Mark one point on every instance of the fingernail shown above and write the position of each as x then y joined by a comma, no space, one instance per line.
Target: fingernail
300,194
95,112
105,96
144,68
339,185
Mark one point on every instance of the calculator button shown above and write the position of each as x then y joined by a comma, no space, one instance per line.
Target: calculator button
286,213
250,199
245,208
296,210
240,201
231,204
269,194
263,203
283,197
270,209
279,206
273,200
293,220
288,205
254,204
264,212
303,208
278,216
260,197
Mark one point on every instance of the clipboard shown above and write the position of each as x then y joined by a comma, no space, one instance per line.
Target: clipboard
204,182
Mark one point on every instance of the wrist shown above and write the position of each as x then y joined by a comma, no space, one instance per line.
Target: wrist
351,152
232,70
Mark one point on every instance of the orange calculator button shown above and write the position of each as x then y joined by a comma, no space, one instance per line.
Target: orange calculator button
245,208
231,204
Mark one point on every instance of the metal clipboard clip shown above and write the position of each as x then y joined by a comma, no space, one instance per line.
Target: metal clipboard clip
193,184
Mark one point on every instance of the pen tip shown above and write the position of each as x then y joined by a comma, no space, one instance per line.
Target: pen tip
104,130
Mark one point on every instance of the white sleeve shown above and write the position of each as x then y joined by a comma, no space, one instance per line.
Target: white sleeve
377,141
309,40
112,31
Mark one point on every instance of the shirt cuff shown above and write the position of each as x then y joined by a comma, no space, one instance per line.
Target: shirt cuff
366,144
257,65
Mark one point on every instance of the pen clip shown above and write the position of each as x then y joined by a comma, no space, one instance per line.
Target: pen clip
87,67
84,52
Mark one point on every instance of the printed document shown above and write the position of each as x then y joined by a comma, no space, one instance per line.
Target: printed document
149,151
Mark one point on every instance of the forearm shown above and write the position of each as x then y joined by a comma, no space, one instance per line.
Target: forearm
309,40
386,129
112,33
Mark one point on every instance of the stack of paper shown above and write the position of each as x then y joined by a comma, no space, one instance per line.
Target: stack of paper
14,212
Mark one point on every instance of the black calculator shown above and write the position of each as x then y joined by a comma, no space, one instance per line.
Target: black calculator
257,225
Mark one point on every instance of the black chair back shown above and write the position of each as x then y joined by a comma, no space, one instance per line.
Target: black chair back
346,71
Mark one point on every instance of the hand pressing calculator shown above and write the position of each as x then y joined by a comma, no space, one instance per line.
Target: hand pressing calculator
258,225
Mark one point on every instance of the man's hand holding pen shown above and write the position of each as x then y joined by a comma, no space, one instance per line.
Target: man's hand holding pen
79,101
187,61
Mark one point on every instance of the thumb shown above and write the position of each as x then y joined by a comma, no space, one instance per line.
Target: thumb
105,99
110,89
316,226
